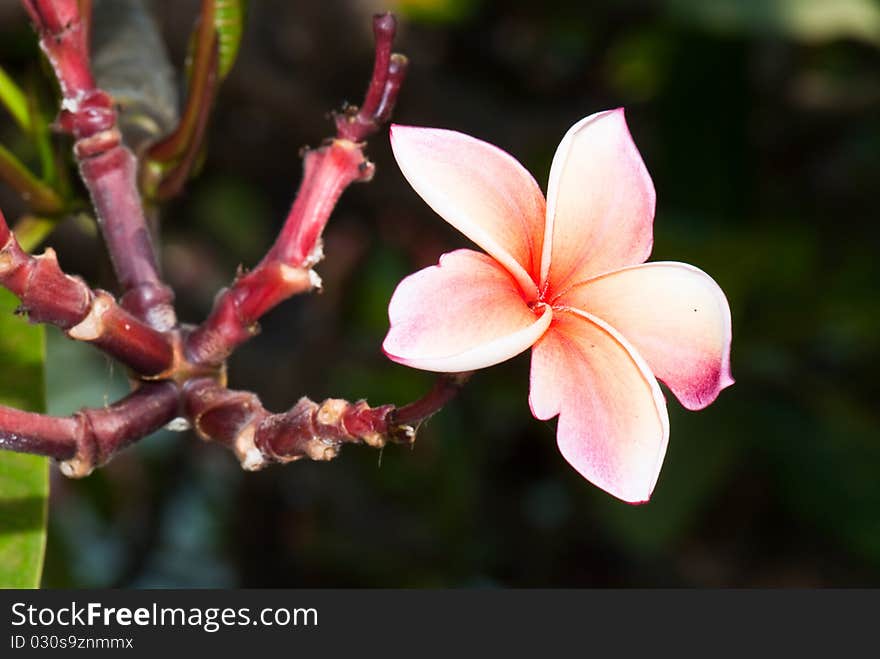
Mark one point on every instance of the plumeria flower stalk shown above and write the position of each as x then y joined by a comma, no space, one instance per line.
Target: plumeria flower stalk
566,277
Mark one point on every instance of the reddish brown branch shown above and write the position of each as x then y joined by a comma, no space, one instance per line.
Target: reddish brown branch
107,167
238,308
445,389
107,430
190,380
86,17
49,296
63,39
38,434
389,71
90,437
238,420
286,269
328,171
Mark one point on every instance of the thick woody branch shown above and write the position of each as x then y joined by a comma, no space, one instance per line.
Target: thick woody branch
107,167
238,420
49,296
182,372
90,437
328,170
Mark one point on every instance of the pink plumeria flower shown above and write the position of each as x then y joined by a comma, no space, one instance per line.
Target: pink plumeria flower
567,278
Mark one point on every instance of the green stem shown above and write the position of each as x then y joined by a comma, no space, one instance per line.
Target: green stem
39,196
43,141
15,101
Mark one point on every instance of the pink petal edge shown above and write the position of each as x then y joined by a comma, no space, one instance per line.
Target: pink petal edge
675,315
465,313
481,190
613,426
600,202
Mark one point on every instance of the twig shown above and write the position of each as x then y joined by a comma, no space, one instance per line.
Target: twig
389,71
107,167
286,270
178,372
90,437
38,434
49,296
238,420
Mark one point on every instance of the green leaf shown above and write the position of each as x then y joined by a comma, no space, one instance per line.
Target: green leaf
24,479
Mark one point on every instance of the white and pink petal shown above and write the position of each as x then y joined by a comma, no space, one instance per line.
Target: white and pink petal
465,313
600,203
675,315
613,427
479,189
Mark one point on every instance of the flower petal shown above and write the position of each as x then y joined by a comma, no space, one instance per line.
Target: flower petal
600,203
480,190
677,318
465,313
613,426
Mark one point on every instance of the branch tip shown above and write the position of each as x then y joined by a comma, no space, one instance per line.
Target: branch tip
385,27
388,71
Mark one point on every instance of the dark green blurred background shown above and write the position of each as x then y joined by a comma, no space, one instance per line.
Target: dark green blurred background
760,124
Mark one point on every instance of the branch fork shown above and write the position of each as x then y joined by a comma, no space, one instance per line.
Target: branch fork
179,371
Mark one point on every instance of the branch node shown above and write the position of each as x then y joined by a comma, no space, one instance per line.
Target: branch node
84,460
179,424
250,457
315,255
330,411
76,467
316,281
91,327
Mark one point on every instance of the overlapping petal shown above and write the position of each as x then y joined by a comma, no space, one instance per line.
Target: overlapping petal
480,190
613,427
675,315
600,203
465,313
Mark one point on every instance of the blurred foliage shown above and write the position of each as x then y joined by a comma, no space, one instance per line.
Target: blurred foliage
759,123
809,20
436,11
24,479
